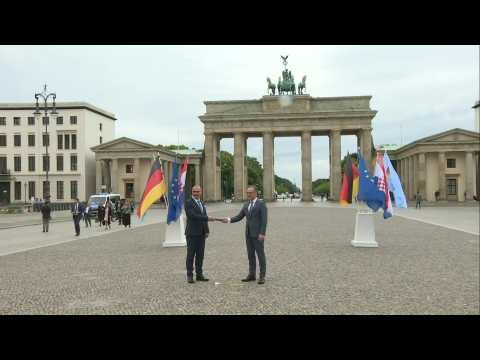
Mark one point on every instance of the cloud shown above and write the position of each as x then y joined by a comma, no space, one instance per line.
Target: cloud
157,92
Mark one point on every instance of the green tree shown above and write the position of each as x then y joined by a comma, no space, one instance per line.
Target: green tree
176,147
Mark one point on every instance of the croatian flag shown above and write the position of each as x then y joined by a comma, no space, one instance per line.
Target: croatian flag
382,184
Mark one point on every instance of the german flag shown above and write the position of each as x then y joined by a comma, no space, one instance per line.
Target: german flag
156,187
349,188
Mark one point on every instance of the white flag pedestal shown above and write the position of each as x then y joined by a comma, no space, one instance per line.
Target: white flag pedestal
175,234
364,229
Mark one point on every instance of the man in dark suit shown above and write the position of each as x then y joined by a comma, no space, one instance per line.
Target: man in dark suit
255,212
196,232
77,211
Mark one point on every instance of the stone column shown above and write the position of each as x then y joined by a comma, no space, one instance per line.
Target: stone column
335,164
136,184
197,175
411,176
366,147
267,166
306,166
273,164
441,176
245,174
114,176
239,166
98,176
421,179
210,176
406,168
219,188
469,174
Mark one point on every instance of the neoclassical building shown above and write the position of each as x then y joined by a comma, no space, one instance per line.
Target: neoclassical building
123,166
443,166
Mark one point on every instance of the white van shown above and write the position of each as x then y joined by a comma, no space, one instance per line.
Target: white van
96,200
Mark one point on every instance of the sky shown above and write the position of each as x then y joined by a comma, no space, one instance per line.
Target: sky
157,92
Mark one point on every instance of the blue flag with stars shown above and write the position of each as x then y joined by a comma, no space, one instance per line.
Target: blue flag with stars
174,201
368,187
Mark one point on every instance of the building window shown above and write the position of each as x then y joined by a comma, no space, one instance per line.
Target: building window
31,189
129,190
73,120
73,162
46,162
101,126
73,189
18,190
67,141
101,140
31,163
46,139
31,120
16,121
59,162
129,169
74,141
3,165
3,140
452,186
45,120
17,140
31,139
3,121
60,120
17,163
46,190
451,163
59,141
59,190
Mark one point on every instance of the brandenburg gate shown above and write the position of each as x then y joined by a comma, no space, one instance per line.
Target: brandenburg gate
289,113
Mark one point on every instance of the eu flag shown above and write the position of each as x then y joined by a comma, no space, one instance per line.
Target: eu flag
368,190
174,201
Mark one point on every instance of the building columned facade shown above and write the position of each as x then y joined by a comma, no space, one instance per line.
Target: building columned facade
123,166
443,166
70,162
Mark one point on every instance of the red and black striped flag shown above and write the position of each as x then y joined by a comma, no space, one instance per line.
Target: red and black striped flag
156,188
349,188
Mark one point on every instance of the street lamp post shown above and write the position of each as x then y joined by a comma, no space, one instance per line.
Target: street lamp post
45,96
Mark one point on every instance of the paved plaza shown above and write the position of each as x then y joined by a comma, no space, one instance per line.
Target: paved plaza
418,268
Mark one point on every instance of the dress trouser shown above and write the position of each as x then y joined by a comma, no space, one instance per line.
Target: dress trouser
195,250
45,224
76,222
256,246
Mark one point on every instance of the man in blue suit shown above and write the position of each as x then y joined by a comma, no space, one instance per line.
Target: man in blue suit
77,211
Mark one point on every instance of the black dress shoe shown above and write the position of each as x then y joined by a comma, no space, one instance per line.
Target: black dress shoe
261,280
201,278
190,280
249,278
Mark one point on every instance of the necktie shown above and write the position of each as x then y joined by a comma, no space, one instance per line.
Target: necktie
250,206
199,204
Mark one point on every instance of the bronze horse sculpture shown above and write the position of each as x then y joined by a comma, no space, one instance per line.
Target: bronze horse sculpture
302,85
271,87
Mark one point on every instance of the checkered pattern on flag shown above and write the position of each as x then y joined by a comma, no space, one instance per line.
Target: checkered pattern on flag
382,185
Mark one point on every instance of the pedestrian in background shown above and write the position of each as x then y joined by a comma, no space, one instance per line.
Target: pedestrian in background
46,210
86,215
418,197
77,211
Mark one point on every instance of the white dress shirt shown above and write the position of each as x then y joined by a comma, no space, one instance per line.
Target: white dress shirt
250,206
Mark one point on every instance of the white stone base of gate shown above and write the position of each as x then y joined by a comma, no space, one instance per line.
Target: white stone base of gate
364,229
175,234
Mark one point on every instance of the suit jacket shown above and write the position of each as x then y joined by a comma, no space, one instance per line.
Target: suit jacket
256,220
81,208
197,220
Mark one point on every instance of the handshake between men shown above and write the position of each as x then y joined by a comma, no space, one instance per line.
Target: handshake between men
197,230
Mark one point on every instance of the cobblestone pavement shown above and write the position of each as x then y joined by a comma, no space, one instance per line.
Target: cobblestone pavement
311,269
